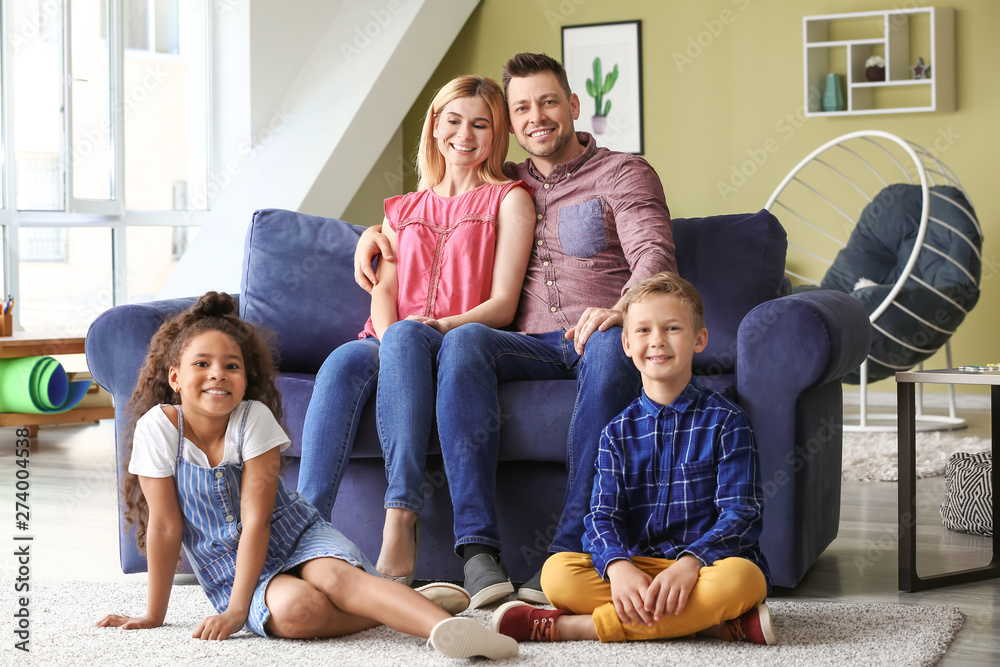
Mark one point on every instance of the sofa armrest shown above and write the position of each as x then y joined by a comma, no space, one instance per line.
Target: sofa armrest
799,342
118,340
793,352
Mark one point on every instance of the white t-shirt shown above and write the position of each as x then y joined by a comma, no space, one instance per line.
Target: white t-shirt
154,445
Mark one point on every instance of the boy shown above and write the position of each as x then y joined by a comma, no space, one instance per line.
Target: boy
675,516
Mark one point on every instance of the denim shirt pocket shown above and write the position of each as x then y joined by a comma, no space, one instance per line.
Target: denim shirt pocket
581,229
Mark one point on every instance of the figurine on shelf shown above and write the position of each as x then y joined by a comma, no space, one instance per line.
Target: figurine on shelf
875,68
921,71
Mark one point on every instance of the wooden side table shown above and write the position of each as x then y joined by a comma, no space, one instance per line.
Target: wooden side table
906,413
29,344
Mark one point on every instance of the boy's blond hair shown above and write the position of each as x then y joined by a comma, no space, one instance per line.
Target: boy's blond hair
667,283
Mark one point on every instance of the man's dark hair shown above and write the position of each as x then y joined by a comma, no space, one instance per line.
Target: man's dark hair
526,64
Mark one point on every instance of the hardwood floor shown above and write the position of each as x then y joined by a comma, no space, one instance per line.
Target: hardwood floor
74,524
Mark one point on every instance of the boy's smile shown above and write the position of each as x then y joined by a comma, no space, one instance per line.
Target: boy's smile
660,338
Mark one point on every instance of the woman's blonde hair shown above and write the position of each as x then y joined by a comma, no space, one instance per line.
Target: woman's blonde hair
430,162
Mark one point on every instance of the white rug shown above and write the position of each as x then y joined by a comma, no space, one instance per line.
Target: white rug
809,633
873,456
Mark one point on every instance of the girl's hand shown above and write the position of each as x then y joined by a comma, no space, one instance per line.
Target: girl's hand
441,326
220,626
128,623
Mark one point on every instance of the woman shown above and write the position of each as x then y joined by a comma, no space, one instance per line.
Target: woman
461,243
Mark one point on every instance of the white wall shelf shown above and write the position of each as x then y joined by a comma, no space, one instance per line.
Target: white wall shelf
841,43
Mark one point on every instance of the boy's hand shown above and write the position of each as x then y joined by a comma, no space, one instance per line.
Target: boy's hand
128,622
669,592
220,626
628,584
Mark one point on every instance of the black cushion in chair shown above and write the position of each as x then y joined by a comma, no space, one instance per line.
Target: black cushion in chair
921,320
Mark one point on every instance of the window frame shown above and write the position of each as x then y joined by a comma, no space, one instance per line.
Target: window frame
111,213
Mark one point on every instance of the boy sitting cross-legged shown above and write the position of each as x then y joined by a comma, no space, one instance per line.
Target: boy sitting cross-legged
672,535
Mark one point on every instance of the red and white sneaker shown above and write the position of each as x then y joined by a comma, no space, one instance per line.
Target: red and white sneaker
526,623
754,626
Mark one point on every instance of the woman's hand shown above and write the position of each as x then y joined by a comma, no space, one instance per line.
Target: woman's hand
128,622
442,326
220,626
371,244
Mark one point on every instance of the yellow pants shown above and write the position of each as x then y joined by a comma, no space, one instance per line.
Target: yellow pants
725,589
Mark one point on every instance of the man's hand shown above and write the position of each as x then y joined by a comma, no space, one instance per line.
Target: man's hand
593,319
371,244
628,584
441,326
128,622
669,592
220,626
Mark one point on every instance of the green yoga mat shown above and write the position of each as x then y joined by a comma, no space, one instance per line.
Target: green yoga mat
38,385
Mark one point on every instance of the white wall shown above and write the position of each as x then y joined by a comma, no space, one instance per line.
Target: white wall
340,109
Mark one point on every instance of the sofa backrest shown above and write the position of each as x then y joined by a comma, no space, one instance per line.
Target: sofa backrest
298,280
737,262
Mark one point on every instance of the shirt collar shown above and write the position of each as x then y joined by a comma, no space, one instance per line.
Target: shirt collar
679,405
589,148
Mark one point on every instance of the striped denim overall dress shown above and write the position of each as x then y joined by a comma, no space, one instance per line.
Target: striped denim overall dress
210,502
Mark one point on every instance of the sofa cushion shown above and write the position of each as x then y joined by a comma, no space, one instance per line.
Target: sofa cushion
298,281
736,262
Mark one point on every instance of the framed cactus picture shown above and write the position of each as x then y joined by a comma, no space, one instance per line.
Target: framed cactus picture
604,65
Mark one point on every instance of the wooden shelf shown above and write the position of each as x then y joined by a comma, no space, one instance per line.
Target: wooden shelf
28,344
841,43
68,417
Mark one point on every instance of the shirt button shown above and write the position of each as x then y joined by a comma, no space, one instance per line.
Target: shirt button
540,216
545,263
539,241
218,474
548,282
553,309
546,186
229,518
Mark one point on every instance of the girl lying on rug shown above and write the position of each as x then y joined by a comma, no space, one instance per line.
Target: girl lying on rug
203,472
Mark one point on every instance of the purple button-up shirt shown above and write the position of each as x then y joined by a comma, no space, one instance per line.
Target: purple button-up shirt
601,225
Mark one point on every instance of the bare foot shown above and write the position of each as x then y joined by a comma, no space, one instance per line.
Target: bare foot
398,555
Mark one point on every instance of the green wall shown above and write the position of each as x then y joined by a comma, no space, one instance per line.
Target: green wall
704,110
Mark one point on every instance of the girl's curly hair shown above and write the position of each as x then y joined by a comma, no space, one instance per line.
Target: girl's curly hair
213,312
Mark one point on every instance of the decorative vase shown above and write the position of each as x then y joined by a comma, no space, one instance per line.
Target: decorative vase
875,73
600,123
833,98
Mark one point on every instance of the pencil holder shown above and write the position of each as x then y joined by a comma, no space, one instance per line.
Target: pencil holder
6,324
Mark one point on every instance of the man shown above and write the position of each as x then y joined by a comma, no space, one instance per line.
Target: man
602,224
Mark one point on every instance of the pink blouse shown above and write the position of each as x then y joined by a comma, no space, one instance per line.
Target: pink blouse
445,250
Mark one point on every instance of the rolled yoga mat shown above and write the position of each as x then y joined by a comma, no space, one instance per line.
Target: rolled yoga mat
38,385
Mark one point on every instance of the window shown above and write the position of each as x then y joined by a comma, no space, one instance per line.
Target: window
108,106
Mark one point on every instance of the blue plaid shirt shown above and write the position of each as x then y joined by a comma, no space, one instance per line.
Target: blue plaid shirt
674,480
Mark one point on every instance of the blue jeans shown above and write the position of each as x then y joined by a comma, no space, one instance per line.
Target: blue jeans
473,361
404,404
406,361
345,382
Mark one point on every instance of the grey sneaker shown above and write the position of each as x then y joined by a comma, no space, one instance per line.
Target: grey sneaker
531,590
486,580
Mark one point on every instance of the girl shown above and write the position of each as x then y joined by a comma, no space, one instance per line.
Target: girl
462,243
203,472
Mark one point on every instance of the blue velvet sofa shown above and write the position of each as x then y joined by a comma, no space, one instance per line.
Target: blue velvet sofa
780,356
